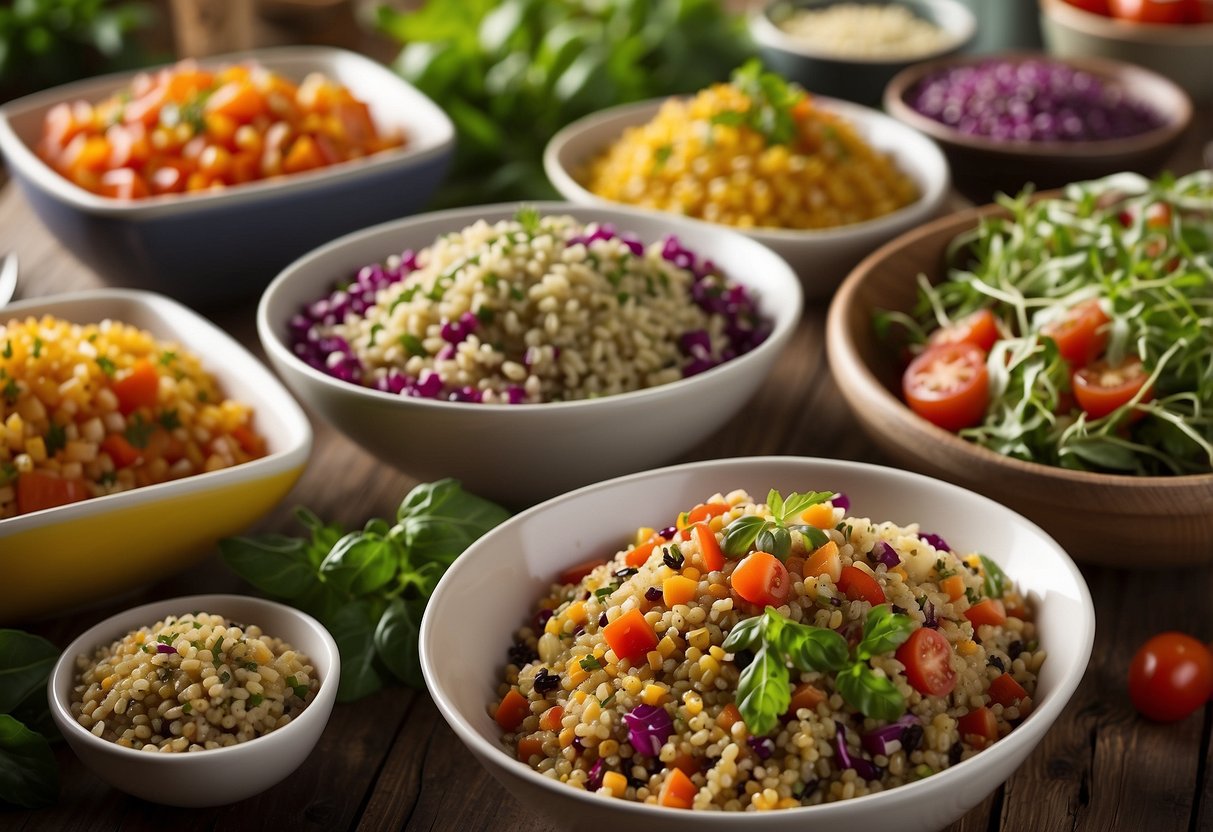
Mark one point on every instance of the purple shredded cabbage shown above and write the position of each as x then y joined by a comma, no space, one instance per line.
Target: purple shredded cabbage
842,501
931,622
165,648
877,740
936,541
649,726
594,783
764,747
864,768
882,552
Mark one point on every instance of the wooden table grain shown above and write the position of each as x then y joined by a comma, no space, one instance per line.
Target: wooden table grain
390,762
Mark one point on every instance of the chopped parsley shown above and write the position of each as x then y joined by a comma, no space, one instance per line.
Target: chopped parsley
11,391
256,699
662,155
37,346
8,349
604,702
106,366
225,677
187,708
169,420
412,344
138,431
55,439
590,664
167,357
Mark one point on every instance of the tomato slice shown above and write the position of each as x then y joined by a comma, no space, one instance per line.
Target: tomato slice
1092,6
1156,11
948,385
1006,691
927,657
1101,388
978,727
990,611
978,328
37,490
858,585
1081,334
762,579
1170,677
138,388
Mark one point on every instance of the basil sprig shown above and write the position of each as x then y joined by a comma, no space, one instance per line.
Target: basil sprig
29,776
995,582
369,587
764,689
754,533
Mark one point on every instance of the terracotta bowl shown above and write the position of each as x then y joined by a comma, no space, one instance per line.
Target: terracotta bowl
981,167
1106,519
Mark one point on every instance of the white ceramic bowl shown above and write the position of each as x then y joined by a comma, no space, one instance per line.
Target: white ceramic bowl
821,257
216,246
58,558
508,569
519,454
222,775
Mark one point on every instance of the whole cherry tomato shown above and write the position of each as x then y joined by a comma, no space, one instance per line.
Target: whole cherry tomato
1156,11
1170,677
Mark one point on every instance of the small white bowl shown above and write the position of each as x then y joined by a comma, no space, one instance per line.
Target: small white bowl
514,564
222,775
519,454
58,558
821,257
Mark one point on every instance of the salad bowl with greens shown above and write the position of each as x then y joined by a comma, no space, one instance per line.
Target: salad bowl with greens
1054,352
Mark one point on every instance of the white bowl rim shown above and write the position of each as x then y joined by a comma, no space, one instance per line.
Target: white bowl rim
1045,712
934,190
22,156
767,33
272,396
95,637
783,325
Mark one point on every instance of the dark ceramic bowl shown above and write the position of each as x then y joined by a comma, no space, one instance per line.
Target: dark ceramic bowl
208,248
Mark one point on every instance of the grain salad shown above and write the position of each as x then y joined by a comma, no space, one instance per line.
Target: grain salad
871,31
193,682
93,409
530,310
767,655
754,153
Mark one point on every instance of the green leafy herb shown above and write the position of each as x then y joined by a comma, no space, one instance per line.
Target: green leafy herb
413,345
29,776
751,532
107,366
604,702
55,439
169,420
369,587
167,357
772,100
8,349
11,391
995,583
138,431
256,699
763,689
37,346
662,155
529,218
590,664
187,708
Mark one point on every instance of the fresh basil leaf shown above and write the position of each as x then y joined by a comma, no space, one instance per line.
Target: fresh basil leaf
995,583
740,535
353,628
873,696
440,520
35,714
813,648
775,504
360,563
795,505
883,631
28,775
396,640
763,692
25,662
277,565
744,635
324,535
814,537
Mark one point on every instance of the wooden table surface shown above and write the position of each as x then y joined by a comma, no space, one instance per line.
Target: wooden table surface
390,761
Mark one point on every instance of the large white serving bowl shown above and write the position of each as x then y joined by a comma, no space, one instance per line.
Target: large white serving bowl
221,775
821,257
520,454
463,646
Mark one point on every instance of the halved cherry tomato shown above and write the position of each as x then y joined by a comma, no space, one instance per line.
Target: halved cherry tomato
138,388
978,328
1081,334
858,585
1100,388
37,490
1156,11
978,727
630,636
762,579
927,657
1170,677
575,573
1092,6
1006,691
990,611
121,452
948,385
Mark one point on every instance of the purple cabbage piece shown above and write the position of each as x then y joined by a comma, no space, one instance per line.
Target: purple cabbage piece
764,747
165,648
842,501
882,552
936,541
931,622
668,532
877,740
649,726
864,768
594,783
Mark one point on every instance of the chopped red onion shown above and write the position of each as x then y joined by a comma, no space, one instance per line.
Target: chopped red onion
882,552
764,747
877,740
931,622
165,648
842,501
594,783
649,726
936,541
864,768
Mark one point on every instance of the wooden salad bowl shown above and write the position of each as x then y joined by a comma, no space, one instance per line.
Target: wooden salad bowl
1105,519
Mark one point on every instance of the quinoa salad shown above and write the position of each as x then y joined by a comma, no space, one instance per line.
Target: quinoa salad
191,683
530,310
757,656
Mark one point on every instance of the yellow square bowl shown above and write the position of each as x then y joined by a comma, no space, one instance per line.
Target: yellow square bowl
58,558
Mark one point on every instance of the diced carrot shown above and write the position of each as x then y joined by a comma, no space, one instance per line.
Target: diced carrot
709,547
138,388
807,696
37,490
678,589
513,709
729,715
954,586
574,574
251,441
990,611
630,636
237,100
550,721
820,515
1006,691
638,556
705,511
529,746
677,791
122,452
303,155
123,183
616,783
824,561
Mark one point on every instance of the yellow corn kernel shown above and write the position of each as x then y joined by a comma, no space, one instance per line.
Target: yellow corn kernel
632,685
653,694
608,747
718,591
700,639
654,659
693,702
717,652
108,681
900,570
666,647
967,647
643,534
708,664
716,523
691,572
574,677
576,612
566,737
36,448
615,783
554,625
580,696
974,561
